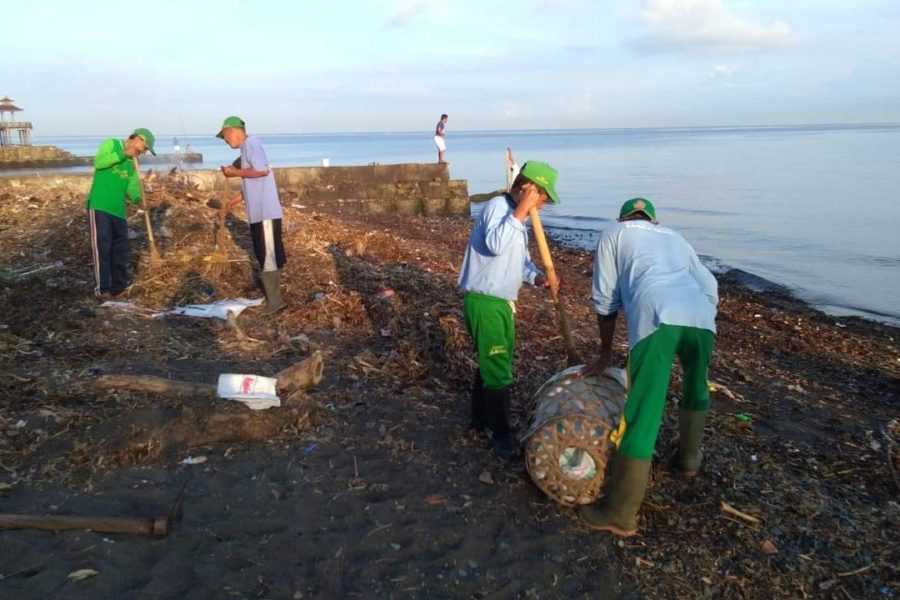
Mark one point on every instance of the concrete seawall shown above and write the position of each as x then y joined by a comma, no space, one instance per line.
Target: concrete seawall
408,189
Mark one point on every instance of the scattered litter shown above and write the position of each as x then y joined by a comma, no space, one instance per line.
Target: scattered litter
194,460
220,309
255,391
730,510
486,477
216,310
82,574
17,274
767,547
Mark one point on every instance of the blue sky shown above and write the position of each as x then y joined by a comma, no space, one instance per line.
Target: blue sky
299,66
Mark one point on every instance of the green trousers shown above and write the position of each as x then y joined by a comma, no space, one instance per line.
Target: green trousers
649,370
492,326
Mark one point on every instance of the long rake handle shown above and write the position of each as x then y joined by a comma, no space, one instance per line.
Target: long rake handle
552,278
154,252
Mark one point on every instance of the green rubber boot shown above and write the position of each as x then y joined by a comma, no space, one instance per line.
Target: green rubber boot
271,281
616,512
690,430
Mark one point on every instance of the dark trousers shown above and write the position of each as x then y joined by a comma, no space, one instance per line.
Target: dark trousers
109,249
267,244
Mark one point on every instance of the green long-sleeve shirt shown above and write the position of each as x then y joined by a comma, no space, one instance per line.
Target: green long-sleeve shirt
115,179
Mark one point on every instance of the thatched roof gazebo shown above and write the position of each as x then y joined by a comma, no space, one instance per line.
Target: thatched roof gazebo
9,128
7,106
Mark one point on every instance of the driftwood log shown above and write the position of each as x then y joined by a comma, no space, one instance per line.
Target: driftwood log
301,376
204,423
155,385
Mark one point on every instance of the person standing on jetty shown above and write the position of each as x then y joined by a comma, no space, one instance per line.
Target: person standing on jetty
440,138
263,206
115,181
670,300
495,266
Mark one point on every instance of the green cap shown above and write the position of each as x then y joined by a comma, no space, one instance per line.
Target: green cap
542,175
231,121
148,137
638,205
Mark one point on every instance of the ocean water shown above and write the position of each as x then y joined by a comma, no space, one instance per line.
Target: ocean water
810,208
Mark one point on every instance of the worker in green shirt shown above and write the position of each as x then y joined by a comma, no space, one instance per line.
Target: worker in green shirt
115,180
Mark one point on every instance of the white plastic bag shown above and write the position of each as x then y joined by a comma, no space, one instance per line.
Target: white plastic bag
255,391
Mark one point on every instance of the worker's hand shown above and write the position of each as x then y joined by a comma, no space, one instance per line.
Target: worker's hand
530,199
542,281
596,368
230,171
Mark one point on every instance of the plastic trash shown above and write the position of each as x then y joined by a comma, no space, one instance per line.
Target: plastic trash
255,391
216,310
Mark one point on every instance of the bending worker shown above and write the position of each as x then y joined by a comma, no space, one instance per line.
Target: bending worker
669,298
115,181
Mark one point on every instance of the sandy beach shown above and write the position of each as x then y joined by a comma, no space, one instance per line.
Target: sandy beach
377,490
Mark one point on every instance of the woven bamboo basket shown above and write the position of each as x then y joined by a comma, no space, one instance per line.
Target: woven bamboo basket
567,445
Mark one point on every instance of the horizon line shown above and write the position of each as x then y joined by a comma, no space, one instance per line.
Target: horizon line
835,124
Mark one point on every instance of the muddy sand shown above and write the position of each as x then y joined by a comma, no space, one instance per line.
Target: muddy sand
375,488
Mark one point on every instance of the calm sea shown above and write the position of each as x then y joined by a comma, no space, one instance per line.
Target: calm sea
809,208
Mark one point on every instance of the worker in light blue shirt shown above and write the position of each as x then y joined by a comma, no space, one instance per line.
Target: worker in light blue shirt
494,268
260,194
669,299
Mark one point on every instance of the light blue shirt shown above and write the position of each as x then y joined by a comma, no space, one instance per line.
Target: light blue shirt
497,259
655,276
260,193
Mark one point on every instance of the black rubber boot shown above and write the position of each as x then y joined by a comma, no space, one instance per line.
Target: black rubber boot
502,440
479,420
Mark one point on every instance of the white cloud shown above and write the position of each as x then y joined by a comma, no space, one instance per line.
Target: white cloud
690,25
406,11
722,72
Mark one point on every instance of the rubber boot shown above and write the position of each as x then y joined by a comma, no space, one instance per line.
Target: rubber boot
616,512
502,440
271,281
690,430
479,420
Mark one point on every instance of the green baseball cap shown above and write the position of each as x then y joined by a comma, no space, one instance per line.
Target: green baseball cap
148,137
542,175
231,121
638,205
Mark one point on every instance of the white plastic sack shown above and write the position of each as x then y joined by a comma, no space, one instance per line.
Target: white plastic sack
255,391
216,310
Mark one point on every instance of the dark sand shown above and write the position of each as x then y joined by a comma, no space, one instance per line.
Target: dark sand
382,497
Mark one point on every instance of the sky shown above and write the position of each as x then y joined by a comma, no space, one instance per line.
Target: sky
295,66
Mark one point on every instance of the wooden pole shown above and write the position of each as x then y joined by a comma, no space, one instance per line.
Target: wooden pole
154,253
553,280
158,527
544,249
